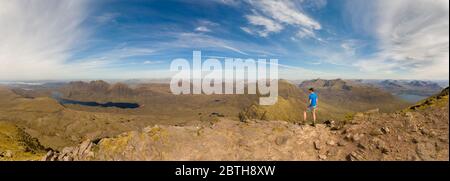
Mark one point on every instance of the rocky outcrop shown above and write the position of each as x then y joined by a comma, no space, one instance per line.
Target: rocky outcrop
81,152
417,133
121,90
223,140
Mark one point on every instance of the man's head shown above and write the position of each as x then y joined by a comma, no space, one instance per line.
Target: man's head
311,89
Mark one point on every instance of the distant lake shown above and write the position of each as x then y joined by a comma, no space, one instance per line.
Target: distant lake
122,105
411,97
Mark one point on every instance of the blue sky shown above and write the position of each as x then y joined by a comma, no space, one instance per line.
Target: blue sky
109,39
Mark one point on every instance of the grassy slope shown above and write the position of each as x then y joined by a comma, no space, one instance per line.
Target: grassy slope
290,106
21,145
354,96
437,100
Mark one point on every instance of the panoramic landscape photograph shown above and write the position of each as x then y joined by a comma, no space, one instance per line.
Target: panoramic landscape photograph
224,80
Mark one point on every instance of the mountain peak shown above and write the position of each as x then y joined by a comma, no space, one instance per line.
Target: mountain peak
326,84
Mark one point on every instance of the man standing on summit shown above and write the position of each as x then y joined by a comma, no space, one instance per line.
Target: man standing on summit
312,105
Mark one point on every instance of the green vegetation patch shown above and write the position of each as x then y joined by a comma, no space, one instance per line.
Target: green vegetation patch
438,100
16,144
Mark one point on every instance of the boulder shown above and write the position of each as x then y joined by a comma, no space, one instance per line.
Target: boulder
317,145
8,154
385,130
331,143
342,143
280,140
322,157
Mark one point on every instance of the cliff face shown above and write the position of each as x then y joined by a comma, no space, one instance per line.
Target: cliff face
96,90
404,135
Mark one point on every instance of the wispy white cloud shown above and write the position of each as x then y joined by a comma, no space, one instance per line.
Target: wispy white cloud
305,33
350,46
198,40
289,71
202,29
248,30
269,25
286,12
233,49
107,17
274,15
230,2
375,65
151,62
314,4
112,56
205,26
412,35
36,37
207,23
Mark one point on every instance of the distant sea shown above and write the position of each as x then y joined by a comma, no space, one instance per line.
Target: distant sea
411,97
21,83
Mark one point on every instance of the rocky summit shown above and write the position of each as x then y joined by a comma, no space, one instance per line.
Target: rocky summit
410,134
